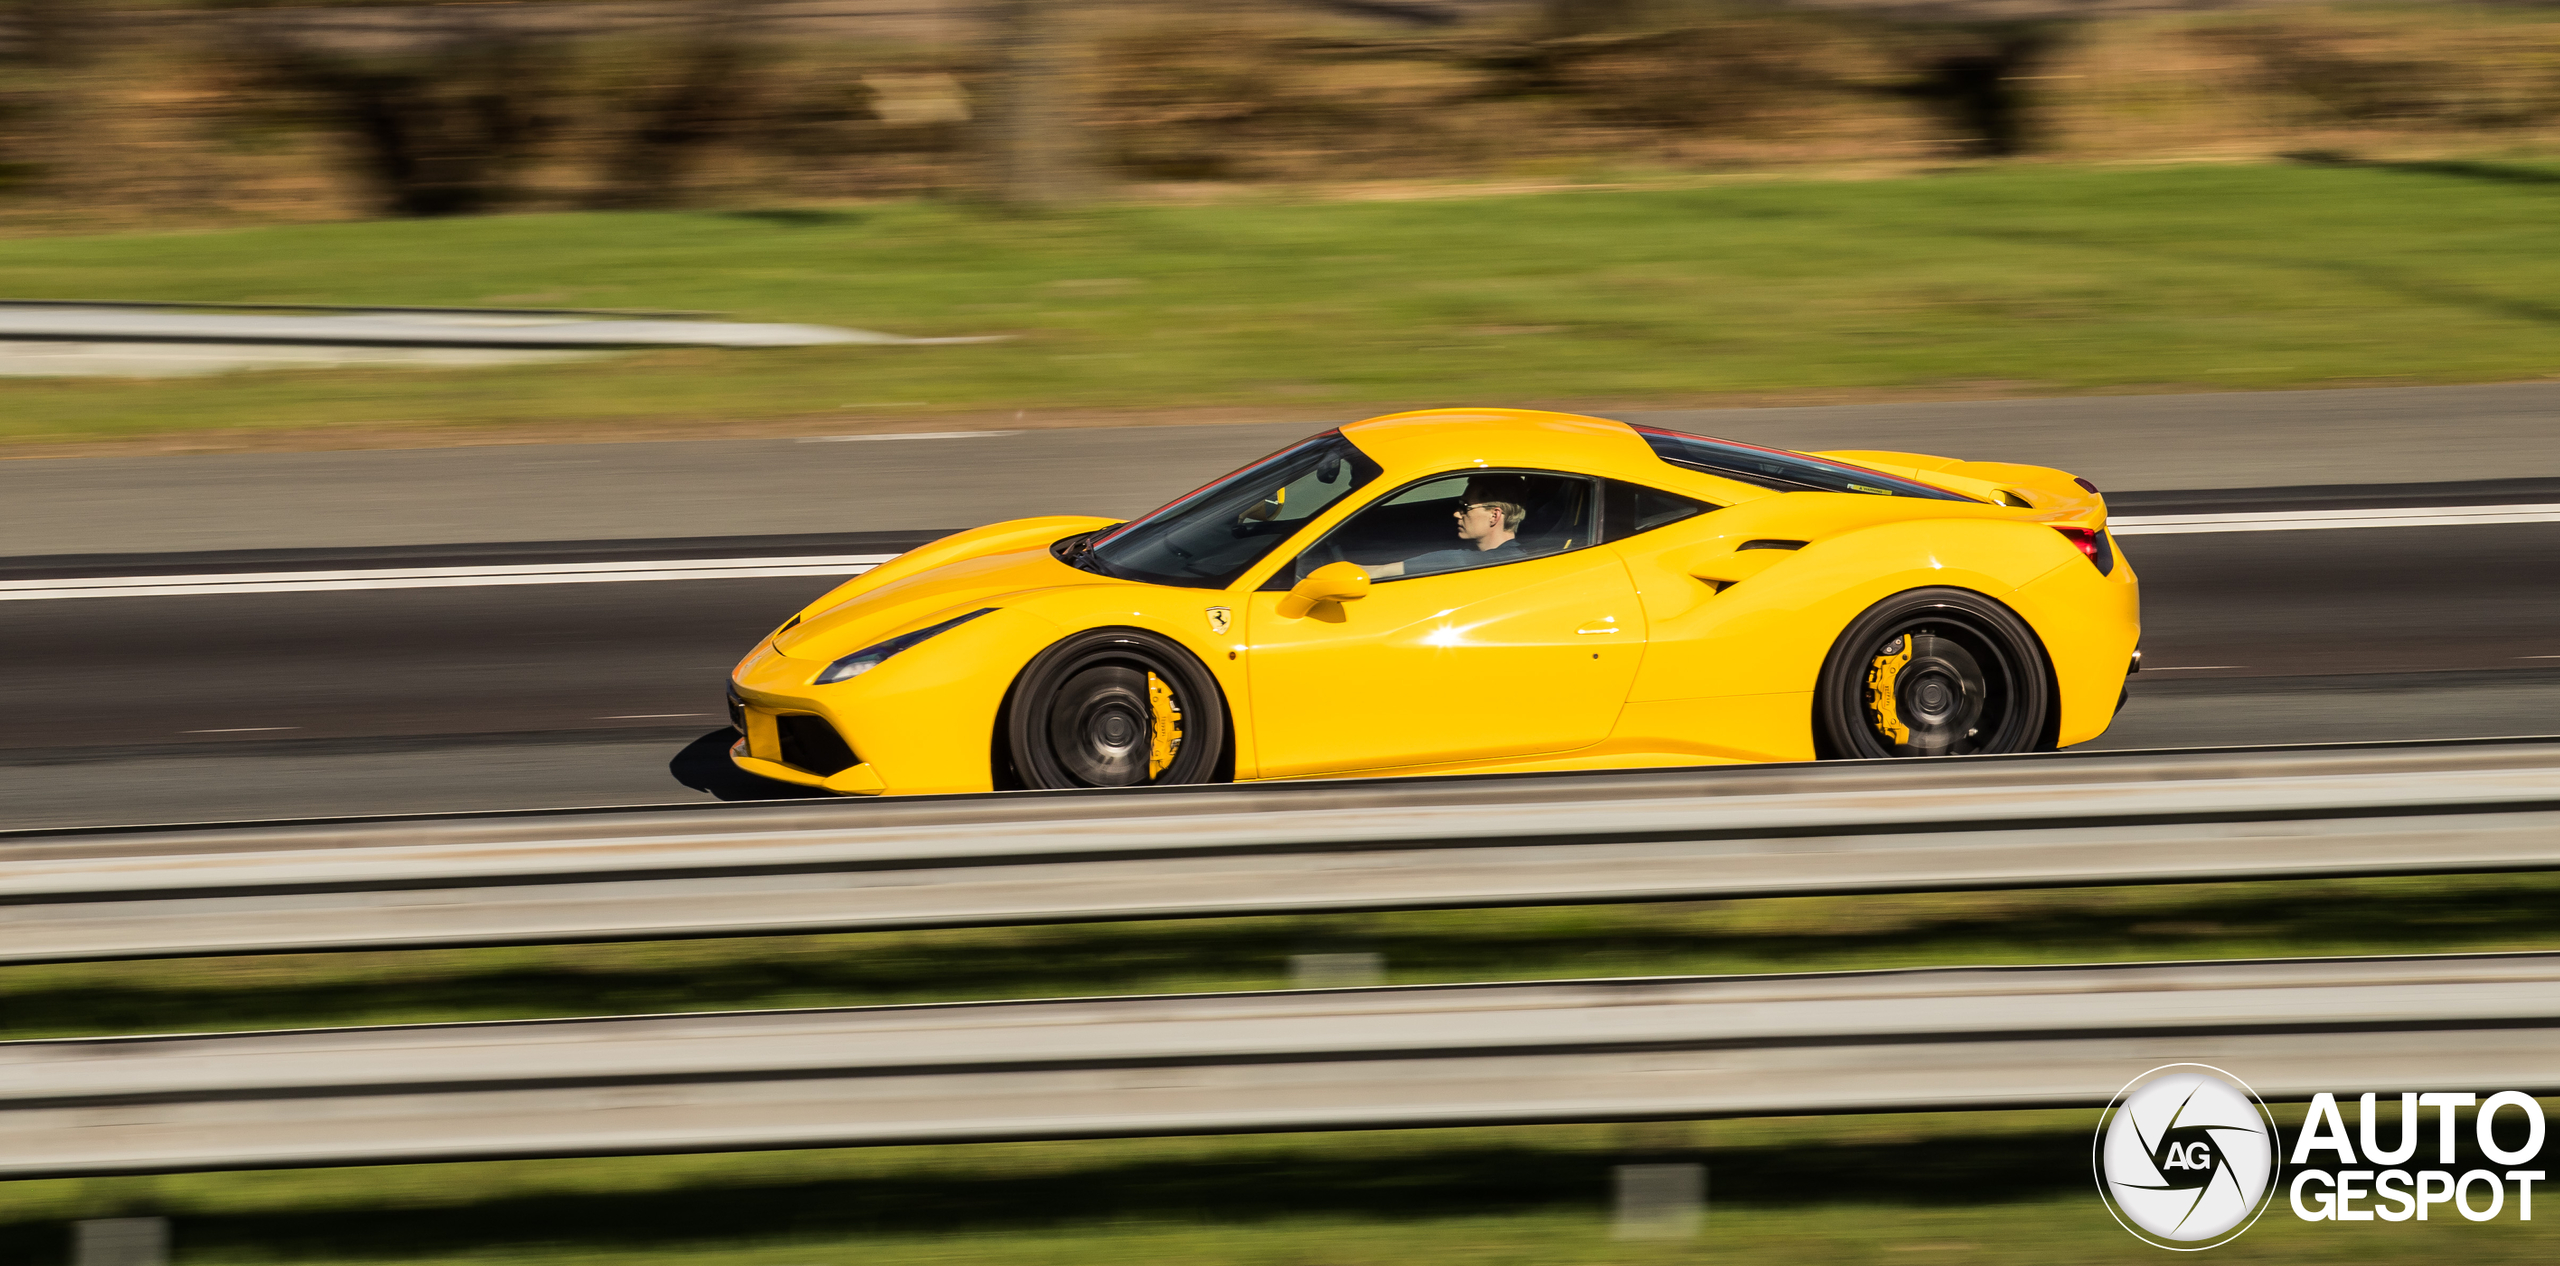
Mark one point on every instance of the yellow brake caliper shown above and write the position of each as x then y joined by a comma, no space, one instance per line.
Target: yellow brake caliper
1882,671
1167,736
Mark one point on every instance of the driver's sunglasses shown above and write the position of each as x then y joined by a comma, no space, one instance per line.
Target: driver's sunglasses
1473,506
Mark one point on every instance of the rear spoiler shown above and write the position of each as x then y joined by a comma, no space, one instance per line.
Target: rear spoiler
2060,498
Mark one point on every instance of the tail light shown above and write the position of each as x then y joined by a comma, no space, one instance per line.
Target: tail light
2101,551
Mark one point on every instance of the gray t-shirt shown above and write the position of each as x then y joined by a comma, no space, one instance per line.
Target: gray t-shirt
1460,559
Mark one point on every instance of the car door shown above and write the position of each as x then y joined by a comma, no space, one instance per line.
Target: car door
1511,658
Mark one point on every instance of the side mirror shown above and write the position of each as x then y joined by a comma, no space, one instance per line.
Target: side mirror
1333,582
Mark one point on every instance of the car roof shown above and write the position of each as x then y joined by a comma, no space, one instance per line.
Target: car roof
1451,439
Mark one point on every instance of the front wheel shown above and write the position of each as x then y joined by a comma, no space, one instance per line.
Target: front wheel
1115,708
1933,672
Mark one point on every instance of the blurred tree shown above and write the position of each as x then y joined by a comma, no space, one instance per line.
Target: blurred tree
1978,78
440,116
53,33
49,42
698,104
1036,154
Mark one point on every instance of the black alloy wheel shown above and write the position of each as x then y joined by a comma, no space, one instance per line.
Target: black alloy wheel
1933,672
1113,708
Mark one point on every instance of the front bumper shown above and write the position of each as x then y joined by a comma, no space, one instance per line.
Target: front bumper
798,746
856,780
922,723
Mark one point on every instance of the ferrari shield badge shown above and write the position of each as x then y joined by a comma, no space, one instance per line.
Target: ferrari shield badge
1219,618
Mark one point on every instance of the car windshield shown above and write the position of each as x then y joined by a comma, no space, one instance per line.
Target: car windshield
1208,539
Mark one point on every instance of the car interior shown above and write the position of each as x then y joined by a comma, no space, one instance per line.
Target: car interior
1423,519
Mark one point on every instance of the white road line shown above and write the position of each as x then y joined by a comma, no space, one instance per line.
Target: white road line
905,435
437,577
2307,520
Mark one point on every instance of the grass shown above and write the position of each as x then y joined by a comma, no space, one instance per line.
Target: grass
2025,278
2373,916
2033,278
1992,1187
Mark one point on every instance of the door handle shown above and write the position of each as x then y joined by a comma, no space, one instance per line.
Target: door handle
1605,624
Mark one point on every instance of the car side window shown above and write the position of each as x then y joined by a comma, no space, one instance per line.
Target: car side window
1634,509
1459,522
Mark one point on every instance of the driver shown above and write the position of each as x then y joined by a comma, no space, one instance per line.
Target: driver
1489,528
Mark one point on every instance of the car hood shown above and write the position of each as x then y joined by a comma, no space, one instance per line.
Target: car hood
981,567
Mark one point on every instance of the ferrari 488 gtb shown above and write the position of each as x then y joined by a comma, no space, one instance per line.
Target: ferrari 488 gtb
1467,591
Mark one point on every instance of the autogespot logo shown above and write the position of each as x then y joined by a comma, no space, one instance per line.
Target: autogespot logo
2186,1156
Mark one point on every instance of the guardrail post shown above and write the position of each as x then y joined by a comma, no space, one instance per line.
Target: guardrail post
120,1242
1660,1202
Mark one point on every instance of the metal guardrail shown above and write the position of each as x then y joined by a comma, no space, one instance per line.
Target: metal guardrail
1738,831
1592,1050
181,305
411,328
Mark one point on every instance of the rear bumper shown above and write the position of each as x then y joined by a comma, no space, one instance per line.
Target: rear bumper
2092,628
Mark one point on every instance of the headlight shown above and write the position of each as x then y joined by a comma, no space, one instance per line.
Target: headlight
870,657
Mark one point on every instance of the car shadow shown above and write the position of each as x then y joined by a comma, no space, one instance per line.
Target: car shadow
2465,169
796,217
704,765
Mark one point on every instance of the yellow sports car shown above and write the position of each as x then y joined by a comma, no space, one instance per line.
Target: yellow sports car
1467,591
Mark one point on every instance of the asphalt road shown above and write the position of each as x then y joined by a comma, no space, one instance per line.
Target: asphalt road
157,709
733,487
162,709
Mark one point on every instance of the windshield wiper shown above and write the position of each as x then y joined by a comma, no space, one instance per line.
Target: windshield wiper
1077,552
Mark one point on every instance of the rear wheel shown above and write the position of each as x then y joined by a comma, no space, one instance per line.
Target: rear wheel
1115,708
1933,672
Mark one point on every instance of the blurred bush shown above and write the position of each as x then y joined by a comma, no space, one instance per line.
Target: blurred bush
436,117
2379,70
1221,100
1673,65
1729,76
1208,103
175,110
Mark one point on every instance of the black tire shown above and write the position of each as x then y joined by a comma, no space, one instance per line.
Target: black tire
1933,672
1083,714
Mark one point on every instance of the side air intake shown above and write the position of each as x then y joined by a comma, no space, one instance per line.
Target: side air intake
810,743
